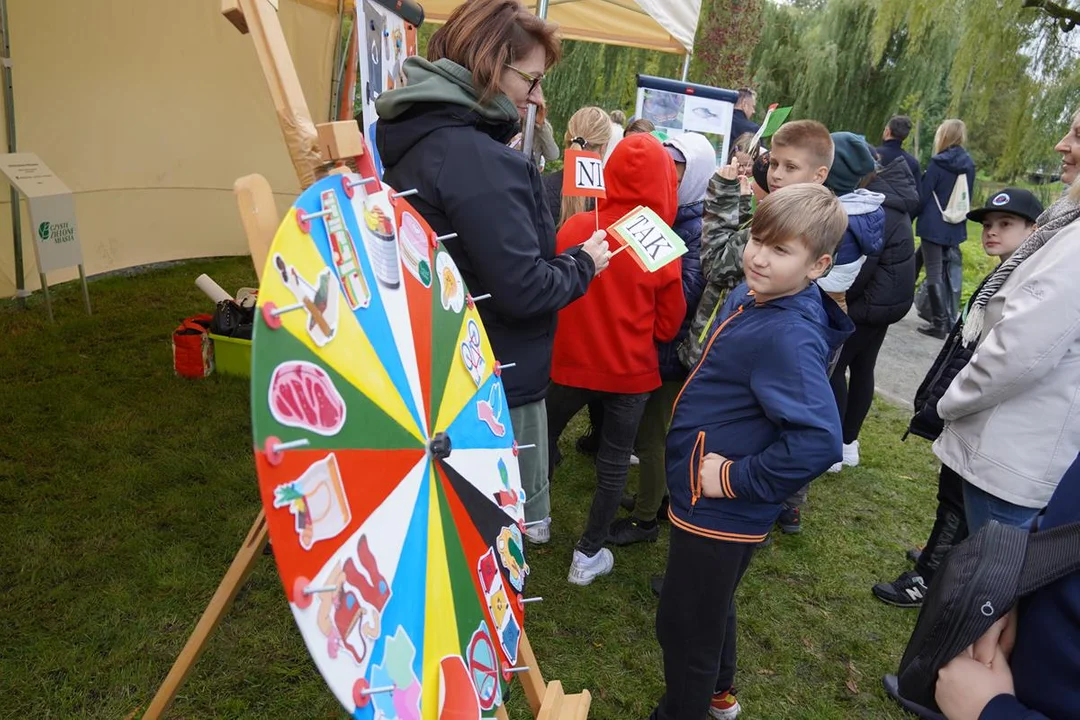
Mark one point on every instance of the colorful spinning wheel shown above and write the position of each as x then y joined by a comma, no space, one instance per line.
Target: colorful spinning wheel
386,459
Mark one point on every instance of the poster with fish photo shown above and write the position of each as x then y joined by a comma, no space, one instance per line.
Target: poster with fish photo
680,107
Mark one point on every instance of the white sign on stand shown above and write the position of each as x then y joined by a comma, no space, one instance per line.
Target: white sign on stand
52,217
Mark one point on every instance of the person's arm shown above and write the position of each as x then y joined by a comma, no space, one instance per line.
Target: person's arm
1040,322
790,382
494,213
545,136
693,282
927,188
670,304
722,242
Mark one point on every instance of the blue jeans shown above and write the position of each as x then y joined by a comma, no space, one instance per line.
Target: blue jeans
981,507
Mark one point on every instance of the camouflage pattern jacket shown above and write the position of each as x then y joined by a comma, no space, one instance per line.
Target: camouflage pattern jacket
724,233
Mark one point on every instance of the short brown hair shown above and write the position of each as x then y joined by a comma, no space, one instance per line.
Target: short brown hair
640,125
808,211
484,36
808,135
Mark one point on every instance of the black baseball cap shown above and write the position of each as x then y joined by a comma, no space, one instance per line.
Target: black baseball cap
1014,201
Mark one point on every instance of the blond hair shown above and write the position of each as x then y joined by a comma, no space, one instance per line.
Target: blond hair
808,211
810,136
589,129
950,133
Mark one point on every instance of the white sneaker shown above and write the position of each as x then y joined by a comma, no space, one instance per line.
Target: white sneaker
836,468
585,569
634,459
851,454
539,534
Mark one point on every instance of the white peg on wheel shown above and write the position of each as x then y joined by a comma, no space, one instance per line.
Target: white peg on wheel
405,193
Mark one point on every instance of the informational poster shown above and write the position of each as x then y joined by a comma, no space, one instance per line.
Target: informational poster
385,41
52,211
676,107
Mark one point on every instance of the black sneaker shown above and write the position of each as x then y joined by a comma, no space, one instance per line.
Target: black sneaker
627,531
789,521
588,443
907,591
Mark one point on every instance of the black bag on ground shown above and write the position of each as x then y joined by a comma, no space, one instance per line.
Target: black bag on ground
231,320
978,583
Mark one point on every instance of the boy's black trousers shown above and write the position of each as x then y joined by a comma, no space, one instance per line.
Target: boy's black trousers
695,622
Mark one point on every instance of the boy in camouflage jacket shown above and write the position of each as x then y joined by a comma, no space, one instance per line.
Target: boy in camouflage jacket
802,152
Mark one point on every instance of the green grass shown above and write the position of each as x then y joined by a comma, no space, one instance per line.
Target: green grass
127,492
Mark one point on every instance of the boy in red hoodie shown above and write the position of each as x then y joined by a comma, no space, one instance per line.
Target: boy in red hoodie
605,344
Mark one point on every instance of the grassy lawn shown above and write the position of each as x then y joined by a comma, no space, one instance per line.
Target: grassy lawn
129,491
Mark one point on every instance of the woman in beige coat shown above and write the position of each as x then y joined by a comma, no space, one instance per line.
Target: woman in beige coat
1012,415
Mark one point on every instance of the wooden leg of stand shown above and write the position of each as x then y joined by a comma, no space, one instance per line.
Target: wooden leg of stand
237,574
532,681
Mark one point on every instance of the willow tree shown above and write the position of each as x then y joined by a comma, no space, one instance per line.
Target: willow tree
727,34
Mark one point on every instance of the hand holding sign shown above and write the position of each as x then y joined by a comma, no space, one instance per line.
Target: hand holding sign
653,242
597,248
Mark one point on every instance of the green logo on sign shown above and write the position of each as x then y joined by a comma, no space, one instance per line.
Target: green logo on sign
43,231
425,273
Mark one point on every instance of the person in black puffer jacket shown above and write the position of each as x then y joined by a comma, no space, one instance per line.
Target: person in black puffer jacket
880,296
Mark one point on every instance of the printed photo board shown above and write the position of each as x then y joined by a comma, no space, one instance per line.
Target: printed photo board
386,459
676,107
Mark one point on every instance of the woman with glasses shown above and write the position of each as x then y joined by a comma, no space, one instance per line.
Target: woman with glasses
445,134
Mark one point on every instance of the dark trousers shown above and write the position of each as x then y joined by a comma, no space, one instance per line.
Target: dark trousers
695,622
944,266
854,395
622,415
950,525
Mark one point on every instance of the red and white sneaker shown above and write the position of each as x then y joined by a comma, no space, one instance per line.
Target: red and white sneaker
724,706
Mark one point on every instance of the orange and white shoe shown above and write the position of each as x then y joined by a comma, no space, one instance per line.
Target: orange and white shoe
724,706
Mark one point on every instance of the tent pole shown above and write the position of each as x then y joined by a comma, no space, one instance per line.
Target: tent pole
9,116
686,67
528,133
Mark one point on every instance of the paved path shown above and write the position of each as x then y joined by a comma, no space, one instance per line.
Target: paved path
903,361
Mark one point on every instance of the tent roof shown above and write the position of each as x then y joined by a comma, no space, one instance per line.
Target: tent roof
665,25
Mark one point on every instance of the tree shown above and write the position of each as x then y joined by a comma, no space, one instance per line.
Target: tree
727,33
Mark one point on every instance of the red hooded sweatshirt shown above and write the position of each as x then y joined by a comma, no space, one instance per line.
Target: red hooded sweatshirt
606,340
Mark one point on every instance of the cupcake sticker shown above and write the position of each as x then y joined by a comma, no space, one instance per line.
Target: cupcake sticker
414,248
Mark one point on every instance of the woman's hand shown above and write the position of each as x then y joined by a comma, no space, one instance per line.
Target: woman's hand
597,248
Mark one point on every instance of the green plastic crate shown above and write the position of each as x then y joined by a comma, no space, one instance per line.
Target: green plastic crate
232,356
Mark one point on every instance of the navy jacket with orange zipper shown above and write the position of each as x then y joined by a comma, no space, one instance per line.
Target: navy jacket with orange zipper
760,397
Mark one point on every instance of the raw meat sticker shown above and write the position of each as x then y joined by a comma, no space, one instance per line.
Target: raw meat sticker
302,395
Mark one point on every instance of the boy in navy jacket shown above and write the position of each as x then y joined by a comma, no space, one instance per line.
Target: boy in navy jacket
755,421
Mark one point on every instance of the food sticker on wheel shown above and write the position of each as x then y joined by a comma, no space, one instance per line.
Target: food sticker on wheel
319,301
413,240
451,286
382,241
512,554
498,602
317,501
302,395
343,250
472,353
396,671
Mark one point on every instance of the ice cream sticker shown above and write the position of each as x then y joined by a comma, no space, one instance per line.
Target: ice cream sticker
452,289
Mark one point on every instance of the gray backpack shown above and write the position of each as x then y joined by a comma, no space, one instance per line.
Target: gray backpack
978,583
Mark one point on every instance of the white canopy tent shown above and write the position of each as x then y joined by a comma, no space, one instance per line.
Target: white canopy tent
665,25
150,110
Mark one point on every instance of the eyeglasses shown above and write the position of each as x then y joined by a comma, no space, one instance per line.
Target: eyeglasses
533,80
